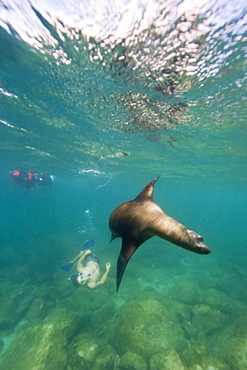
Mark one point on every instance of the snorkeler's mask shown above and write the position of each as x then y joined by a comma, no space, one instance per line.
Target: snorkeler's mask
82,281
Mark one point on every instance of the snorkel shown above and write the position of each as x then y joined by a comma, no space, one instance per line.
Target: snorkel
75,275
82,282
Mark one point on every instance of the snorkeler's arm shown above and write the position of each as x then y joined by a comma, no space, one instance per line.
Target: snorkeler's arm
92,285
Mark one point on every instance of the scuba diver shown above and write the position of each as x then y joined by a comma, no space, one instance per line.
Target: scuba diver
29,179
24,178
88,269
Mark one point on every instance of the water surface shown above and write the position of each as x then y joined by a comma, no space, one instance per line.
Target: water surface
106,98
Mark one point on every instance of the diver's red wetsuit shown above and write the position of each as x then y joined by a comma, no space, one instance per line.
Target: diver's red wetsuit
23,178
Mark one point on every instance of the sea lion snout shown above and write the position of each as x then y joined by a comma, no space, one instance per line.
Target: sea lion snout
197,243
203,249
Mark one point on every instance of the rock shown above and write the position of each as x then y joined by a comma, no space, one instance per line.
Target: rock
132,361
145,328
37,310
182,311
111,285
236,353
42,346
206,318
87,300
231,284
219,301
84,351
66,323
105,361
183,291
14,305
90,353
204,321
168,360
197,356
216,364
193,355
64,287
105,312
96,300
39,347
48,293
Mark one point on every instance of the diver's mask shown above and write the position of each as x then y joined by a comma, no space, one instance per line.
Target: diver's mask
83,278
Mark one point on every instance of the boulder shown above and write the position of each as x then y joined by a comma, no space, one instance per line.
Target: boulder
14,305
85,351
236,353
37,310
105,360
182,311
145,328
193,355
211,362
105,312
64,288
132,361
219,301
39,347
66,323
231,284
206,318
42,346
184,291
88,352
168,360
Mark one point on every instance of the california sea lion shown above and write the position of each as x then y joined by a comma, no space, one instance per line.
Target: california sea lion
141,218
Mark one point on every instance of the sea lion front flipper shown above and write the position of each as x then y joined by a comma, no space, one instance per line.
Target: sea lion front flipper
128,248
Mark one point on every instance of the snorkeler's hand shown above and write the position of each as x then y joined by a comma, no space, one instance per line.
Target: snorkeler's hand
108,266
87,252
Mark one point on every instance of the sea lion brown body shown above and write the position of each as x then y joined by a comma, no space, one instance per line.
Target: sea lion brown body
140,219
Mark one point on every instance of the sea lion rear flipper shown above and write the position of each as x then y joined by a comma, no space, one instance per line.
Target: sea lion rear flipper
147,191
128,248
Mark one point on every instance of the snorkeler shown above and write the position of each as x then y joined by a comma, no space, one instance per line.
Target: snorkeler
29,179
23,178
87,274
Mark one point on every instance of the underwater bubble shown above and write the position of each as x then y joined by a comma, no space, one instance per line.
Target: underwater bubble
82,230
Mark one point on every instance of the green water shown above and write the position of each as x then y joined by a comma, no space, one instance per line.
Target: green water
106,98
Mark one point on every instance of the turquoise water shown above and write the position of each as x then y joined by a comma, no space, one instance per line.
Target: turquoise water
107,98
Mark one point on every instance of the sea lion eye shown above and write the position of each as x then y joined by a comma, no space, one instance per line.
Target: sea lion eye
200,239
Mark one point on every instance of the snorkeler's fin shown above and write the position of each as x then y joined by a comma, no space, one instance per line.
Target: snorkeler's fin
88,244
67,267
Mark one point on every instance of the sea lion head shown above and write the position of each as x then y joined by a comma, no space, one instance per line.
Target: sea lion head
196,242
